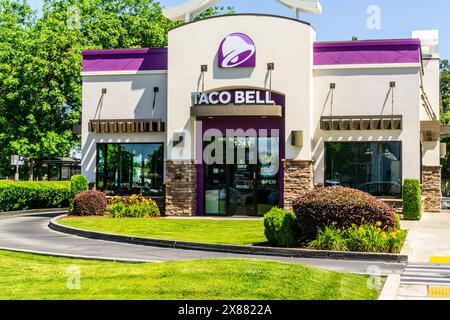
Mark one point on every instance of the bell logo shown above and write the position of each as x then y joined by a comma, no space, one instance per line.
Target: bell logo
237,50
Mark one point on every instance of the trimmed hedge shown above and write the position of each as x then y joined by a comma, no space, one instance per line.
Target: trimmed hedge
412,199
281,228
27,195
341,207
78,184
90,203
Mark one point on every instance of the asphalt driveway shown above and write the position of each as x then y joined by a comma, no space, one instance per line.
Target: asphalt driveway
31,233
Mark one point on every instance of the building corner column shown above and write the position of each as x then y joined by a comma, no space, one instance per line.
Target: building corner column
431,188
298,178
181,188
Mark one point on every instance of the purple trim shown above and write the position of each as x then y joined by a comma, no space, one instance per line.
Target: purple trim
367,52
125,60
244,123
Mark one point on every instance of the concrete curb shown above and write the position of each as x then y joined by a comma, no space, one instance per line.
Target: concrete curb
79,257
33,212
391,287
237,249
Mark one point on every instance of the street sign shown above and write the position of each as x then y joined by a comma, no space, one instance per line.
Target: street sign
17,160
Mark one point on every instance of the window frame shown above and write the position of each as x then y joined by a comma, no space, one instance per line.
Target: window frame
105,172
400,144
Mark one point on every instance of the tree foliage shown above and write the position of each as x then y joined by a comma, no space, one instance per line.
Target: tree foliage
41,62
445,90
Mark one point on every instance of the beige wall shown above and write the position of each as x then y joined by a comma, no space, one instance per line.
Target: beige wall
129,96
197,44
365,91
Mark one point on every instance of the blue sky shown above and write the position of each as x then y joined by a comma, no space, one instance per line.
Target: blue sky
346,18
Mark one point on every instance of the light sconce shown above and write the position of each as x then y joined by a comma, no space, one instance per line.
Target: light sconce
392,84
332,85
270,66
297,138
443,150
204,68
104,91
178,139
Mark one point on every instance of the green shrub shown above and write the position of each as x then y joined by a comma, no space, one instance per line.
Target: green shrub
365,238
133,207
26,195
90,203
78,184
412,199
330,238
340,206
281,228
371,238
117,209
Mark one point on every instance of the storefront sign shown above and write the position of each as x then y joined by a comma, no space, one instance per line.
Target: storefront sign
237,97
237,50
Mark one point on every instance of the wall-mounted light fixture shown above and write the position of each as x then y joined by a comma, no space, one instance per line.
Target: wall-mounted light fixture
332,85
297,138
392,84
443,150
270,68
178,139
104,91
203,70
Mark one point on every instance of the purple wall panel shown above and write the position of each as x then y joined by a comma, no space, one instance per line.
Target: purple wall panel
125,60
367,52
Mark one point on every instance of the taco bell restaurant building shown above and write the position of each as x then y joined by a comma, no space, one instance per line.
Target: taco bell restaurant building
242,113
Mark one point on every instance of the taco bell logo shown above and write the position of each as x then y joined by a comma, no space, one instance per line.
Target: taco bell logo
237,50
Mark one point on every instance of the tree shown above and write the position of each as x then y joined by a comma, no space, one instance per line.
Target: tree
41,64
445,87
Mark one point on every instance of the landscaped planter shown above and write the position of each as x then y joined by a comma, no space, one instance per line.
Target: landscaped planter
237,249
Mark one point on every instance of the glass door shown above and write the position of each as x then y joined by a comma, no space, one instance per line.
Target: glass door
242,176
248,181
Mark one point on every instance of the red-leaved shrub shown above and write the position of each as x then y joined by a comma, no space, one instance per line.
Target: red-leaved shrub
90,203
341,207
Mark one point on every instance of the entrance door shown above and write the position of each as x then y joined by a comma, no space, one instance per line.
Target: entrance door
242,176
249,183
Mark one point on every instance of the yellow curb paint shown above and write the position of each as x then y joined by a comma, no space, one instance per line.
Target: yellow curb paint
438,292
440,260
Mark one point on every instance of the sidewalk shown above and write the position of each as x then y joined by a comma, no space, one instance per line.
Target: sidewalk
424,278
428,237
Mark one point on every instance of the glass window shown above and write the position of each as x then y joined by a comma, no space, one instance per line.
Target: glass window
375,168
130,168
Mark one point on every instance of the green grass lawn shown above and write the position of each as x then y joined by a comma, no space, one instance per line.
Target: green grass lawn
223,231
33,277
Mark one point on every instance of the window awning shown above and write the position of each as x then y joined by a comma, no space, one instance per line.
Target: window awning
127,126
340,123
430,130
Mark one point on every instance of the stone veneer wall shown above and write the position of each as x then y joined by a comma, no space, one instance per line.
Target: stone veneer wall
181,188
431,188
298,178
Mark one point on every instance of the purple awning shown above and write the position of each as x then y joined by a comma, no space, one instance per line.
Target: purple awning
125,60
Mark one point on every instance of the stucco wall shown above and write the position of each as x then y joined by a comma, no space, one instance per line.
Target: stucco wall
366,91
129,96
196,44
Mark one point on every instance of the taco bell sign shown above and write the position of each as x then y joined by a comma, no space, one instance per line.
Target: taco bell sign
237,50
